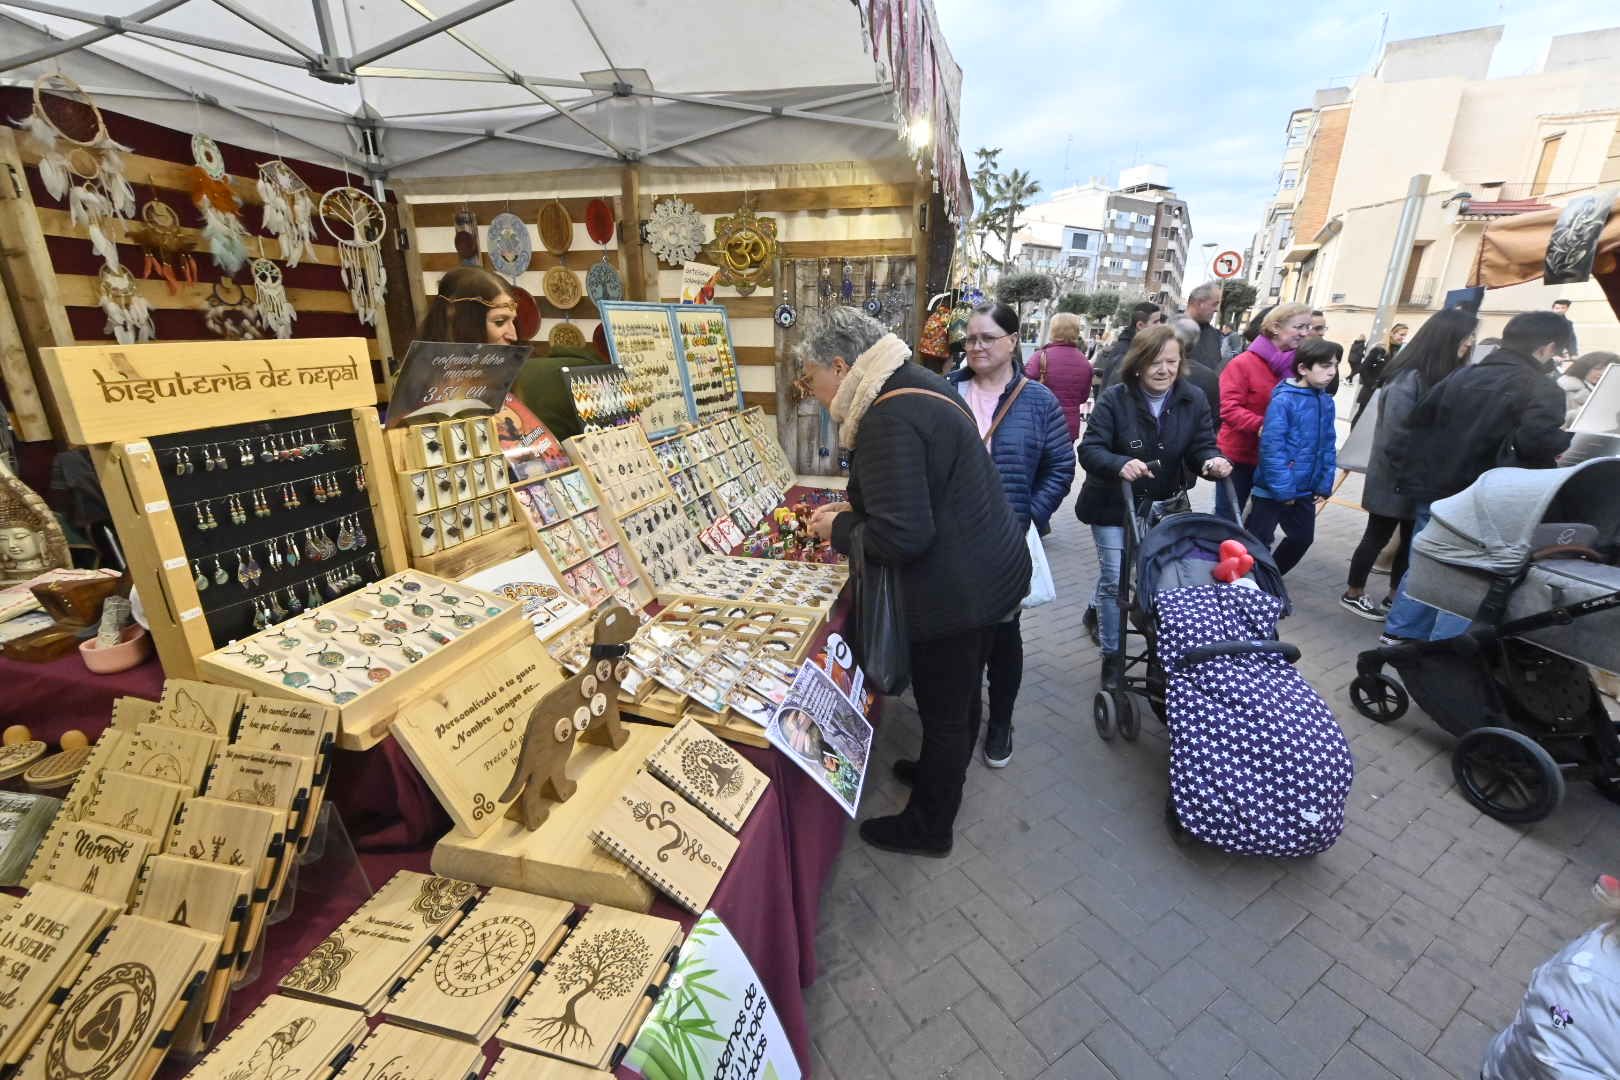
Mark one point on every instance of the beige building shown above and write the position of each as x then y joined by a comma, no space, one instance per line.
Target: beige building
1490,147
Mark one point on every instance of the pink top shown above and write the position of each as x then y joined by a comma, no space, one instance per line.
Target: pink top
983,404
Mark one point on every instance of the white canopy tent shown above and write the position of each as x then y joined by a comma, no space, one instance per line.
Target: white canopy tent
417,89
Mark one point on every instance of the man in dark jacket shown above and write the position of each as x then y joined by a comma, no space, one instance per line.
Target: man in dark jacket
1198,373
1203,304
1143,315
1500,411
925,497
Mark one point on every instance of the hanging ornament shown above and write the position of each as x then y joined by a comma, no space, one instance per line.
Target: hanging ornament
565,335
467,236
67,130
602,282
561,287
289,210
556,228
129,316
675,231
273,307
746,249
599,221
356,222
786,316
211,191
231,318
528,312
166,246
510,249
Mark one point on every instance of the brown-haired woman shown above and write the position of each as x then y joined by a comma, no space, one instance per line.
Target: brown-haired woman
1152,428
472,307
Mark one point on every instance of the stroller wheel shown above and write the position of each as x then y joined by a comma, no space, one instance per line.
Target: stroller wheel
1507,775
1105,714
1378,697
1130,718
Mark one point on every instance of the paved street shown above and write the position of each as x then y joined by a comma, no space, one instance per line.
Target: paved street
1068,937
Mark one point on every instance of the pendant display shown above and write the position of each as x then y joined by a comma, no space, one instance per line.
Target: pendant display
357,223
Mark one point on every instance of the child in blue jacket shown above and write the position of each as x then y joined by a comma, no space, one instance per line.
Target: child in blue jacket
1297,455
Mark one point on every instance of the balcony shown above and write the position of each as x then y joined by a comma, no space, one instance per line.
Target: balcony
1421,294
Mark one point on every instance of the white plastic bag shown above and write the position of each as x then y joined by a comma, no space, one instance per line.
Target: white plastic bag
1041,589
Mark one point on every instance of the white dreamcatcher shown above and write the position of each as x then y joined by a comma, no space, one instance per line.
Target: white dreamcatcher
289,210
675,231
356,222
129,316
211,191
67,130
275,310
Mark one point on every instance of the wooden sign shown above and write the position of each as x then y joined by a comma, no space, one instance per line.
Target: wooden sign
130,713
398,1053
19,756
100,860
709,772
515,1064
587,993
180,757
383,941
137,803
210,897
262,778
667,840
112,392
103,753
464,740
284,1039
199,706
128,997
44,943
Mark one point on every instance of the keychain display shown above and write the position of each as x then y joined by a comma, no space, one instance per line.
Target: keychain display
79,161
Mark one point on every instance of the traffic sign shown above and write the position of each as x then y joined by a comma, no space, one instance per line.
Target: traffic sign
1227,264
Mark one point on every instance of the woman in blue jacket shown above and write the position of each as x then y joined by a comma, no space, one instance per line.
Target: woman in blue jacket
1023,427
1297,455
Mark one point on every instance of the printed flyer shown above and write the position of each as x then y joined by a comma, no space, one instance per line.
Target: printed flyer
824,733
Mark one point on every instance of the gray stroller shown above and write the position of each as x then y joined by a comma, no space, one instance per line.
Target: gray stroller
1530,555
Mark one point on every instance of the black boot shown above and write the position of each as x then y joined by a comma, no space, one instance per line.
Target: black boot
1113,669
998,746
1089,621
905,771
904,835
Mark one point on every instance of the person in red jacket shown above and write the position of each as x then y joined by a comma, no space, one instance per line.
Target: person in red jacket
1062,367
1246,386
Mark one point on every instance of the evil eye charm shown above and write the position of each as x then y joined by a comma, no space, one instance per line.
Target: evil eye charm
786,315
873,306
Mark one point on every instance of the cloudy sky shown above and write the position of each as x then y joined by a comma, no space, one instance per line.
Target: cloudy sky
1071,89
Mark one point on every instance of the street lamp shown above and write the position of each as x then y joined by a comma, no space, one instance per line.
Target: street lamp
1208,246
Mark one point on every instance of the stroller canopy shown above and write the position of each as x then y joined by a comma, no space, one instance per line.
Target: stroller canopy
1489,526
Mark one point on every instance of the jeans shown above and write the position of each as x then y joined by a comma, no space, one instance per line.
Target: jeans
1373,538
1413,619
1298,520
1242,484
1110,541
1006,671
946,675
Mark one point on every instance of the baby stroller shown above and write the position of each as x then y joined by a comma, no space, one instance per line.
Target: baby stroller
1530,555
1258,765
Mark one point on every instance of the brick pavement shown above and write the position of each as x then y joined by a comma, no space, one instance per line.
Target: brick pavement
1067,937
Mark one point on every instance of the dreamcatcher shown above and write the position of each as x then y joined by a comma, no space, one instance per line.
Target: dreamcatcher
129,316
356,222
67,130
232,319
211,191
166,246
289,210
272,305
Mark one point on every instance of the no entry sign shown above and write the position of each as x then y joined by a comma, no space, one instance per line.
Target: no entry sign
1227,264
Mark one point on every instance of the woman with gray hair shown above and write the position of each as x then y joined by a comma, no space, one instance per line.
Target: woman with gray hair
926,498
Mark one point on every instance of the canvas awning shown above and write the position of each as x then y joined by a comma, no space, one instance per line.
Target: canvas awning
1512,251
422,88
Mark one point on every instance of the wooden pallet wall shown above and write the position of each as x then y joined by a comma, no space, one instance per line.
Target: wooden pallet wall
59,305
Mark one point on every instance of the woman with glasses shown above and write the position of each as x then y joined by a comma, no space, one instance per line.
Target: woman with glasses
1023,426
1152,428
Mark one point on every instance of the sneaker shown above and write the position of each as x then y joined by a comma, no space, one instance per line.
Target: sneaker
1392,640
1363,606
902,834
998,747
1090,623
905,771
1384,605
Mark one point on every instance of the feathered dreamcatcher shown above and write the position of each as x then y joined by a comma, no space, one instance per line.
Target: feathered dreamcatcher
166,246
275,310
129,316
211,191
79,160
289,210
228,314
356,222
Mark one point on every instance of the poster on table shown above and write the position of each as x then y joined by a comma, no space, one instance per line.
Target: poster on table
446,379
530,447
714,1020
823,732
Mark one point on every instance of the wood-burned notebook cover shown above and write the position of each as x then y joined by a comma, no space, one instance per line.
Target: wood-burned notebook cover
578,1008
199,706
399,1053
44,942
100,860
358,964
709,771
464,987
129,995
666,840
515,1064
212,897
130,713
236,834
272,778
296,727
283,1039
180,757
105,753
137,803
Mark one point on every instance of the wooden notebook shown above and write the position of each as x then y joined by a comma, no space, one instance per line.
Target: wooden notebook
363,960
107,751
397,1053
116,1018
213,897
666,840
273,778
137,803
515,1064
579,1007
709,772
130,713
44,944
235,834
199,706
180,757
489,959
100,860
293,727
284,1039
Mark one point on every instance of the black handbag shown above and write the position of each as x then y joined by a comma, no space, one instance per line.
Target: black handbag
881,641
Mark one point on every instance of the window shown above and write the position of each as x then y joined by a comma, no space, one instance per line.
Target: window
1079,241
1079,261
1298,129
1290,177
1544,167
1144,220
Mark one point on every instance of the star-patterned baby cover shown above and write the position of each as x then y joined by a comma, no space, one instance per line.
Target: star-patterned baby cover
1258,764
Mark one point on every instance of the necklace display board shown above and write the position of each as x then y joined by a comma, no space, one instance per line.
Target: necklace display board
226,525
650,341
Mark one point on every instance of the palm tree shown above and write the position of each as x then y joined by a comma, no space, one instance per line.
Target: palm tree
1014,192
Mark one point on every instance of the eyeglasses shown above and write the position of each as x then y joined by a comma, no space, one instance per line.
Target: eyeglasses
983,341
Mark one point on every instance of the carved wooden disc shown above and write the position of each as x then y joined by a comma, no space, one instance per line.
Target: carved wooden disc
18,756
58,770
556,228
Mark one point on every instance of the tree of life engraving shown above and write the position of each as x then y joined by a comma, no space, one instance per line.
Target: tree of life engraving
713,768
485,956
606,965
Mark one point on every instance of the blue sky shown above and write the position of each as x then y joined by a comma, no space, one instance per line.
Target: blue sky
1071,89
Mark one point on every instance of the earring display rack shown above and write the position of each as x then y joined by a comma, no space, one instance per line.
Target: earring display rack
580,540
680,358
708,364
602,397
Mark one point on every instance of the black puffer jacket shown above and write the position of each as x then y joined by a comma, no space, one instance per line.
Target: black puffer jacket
1122,427
932,502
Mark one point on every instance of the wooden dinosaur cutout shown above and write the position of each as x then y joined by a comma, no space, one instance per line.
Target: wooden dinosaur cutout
585,707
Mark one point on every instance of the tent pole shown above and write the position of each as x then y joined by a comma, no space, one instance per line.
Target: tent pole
85,40
630,248
139,28
266,27
425,31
